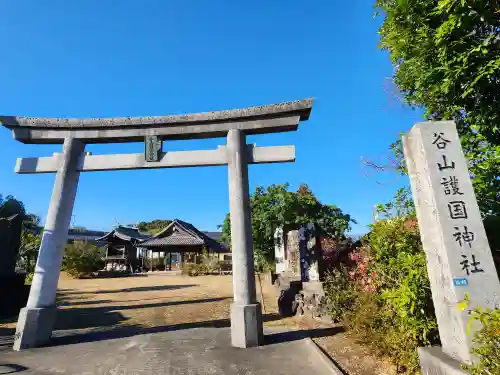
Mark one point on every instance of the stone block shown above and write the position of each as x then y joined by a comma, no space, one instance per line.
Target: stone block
13,294
246,325
433,361
313,287
34,327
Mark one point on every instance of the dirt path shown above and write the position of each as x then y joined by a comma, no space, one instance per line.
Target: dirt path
160,300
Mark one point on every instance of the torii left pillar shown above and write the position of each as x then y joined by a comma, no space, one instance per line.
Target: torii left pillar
36,320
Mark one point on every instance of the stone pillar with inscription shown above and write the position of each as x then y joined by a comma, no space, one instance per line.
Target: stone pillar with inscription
459,259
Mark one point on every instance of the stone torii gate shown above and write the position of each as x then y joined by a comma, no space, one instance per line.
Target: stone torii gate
36,320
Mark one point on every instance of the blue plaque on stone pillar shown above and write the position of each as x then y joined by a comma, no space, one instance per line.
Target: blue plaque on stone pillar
153,146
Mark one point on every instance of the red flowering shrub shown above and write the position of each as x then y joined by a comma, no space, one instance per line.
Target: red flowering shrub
381,291
360,273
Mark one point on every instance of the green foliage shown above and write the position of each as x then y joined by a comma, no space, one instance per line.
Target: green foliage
82,258
28,251
486,339
400,206
30,237
193,269
189,269
446,59
153,227
399,262
274,207
341,293
157,263
29,278
210,262
375,323
209,265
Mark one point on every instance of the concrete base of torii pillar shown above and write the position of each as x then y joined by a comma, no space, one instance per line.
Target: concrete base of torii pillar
246,315
36,320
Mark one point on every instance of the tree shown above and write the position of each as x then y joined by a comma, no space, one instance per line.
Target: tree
275,206
446,57
82,258
11,206
30,235
28,251
153,227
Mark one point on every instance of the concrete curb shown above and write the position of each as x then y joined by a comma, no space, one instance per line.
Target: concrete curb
330,366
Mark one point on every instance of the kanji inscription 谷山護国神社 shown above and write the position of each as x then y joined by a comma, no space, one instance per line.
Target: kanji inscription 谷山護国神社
457,208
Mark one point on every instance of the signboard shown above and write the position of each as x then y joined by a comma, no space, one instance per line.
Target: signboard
152,148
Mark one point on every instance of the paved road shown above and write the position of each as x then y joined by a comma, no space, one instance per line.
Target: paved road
189,351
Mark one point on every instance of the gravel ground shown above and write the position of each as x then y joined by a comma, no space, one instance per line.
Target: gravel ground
159,302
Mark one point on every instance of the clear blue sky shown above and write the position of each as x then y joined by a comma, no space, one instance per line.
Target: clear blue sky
98,58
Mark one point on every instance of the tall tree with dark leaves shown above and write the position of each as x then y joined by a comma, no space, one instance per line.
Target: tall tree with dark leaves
446,57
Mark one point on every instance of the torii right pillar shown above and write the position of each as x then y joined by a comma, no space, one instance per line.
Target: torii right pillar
246,314
459,259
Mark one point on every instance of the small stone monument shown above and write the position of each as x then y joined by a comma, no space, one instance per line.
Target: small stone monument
309,253
292,250
279,251
459,259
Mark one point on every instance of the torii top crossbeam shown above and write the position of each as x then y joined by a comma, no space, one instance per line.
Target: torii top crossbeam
254,120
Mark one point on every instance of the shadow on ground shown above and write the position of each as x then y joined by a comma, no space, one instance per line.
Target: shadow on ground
109,328
99,316
6,337
66,301
133,330
150,288
275,338
10,368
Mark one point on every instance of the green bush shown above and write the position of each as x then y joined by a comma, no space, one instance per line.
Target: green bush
486,340
209,263
81,259
402,281
340,293
187,269
193,269
155,264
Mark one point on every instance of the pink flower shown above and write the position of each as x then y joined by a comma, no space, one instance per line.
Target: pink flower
355,256
369,289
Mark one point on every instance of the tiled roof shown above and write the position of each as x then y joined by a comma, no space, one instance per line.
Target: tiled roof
124,233
181,233
172,241
214,235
